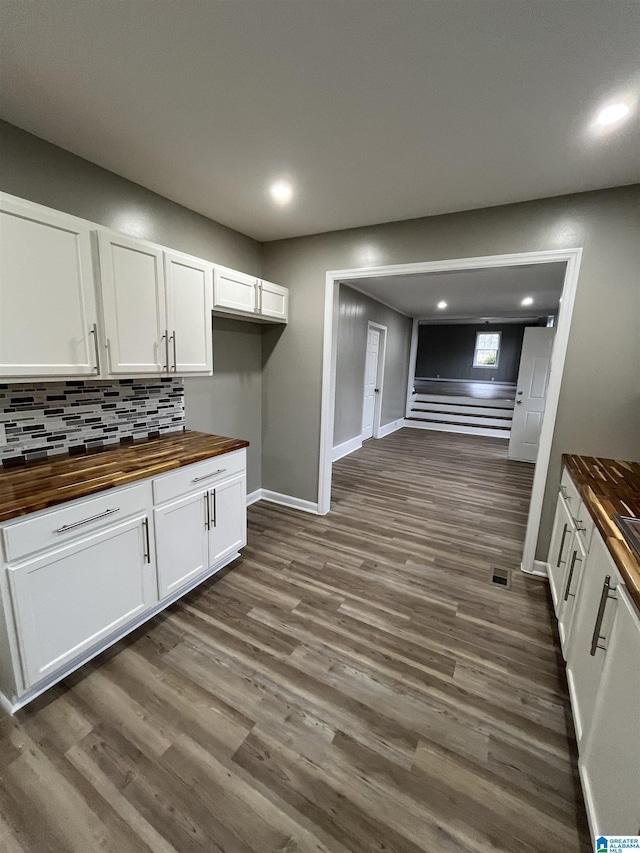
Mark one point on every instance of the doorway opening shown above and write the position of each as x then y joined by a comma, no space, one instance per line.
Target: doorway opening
541,423
373,380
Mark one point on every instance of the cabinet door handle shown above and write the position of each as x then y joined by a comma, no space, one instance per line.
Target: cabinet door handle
175,356
215,509
166,350
207,511
564,536
604,595
104,514
570,576
147,544
579,526
96,348
207,476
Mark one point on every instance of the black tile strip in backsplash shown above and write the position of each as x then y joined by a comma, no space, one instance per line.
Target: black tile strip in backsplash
42,419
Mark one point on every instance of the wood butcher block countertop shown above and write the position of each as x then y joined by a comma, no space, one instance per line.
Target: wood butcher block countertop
48,482
610,487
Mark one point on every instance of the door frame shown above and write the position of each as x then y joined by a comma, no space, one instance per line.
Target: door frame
572,258
377,405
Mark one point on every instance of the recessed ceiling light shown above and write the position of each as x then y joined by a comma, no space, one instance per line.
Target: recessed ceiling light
527,301
612,114
442,304
281,191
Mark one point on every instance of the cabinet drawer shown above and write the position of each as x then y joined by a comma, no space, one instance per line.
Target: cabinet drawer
570,492
74,520
201,475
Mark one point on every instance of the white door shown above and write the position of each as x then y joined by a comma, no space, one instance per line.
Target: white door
134,305
70,600
47,296
610,761
274,301
590,634
189,303
235,292
182,541
531,394
559,549
370,383
227,519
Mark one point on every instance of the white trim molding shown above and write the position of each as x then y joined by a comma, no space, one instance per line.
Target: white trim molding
347,447
572,258
540,568
254,497
393,426
288,500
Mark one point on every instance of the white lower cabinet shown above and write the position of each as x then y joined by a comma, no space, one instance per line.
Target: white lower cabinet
569,591
586,652
559,550
197,532
182,542
75,578
67,601
610,761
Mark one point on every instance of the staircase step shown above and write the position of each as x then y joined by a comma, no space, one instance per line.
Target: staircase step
458,428
469,420
442,406
507,403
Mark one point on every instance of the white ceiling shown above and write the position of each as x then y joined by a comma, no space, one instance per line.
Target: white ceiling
378,111
471,294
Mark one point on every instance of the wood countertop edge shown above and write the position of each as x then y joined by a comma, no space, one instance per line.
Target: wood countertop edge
106,475
624,557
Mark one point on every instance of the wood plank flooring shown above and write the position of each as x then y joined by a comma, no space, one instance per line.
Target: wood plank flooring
352,683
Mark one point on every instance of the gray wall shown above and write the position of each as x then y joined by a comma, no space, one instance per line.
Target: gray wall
33,169
599,410
354,312
447,351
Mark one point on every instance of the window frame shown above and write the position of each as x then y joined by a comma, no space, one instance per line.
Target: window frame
478,349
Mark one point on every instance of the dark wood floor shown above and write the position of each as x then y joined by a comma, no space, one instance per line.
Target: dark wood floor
353,683
462,388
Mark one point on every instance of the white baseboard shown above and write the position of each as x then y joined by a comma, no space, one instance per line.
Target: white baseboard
387,429
253,497
539,569
461,430
347,447
289,500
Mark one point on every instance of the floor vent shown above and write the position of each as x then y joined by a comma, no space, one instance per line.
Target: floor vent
501,576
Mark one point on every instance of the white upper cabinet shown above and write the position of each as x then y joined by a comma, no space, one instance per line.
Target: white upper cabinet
248,297
47,297
235,292
274,301
134,305
189,302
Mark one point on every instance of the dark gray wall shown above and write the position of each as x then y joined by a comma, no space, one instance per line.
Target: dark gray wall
355,310
446,351
599,409
33,169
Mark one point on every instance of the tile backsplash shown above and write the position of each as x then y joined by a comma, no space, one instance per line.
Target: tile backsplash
45,418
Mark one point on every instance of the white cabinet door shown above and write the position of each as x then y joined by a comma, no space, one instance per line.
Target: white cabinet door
182,541
234,291
189,304
274,301
47,293
134,305
70,600
610,761
593,620
570,591
559,550
228,519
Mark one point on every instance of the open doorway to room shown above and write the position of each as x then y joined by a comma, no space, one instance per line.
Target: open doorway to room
487,347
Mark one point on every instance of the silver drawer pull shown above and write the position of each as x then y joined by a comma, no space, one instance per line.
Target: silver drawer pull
564,536
597,636
104,514
570,576
207,476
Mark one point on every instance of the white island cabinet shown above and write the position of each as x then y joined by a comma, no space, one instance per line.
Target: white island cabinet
77,577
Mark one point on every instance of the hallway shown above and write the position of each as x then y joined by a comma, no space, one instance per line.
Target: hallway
354,682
